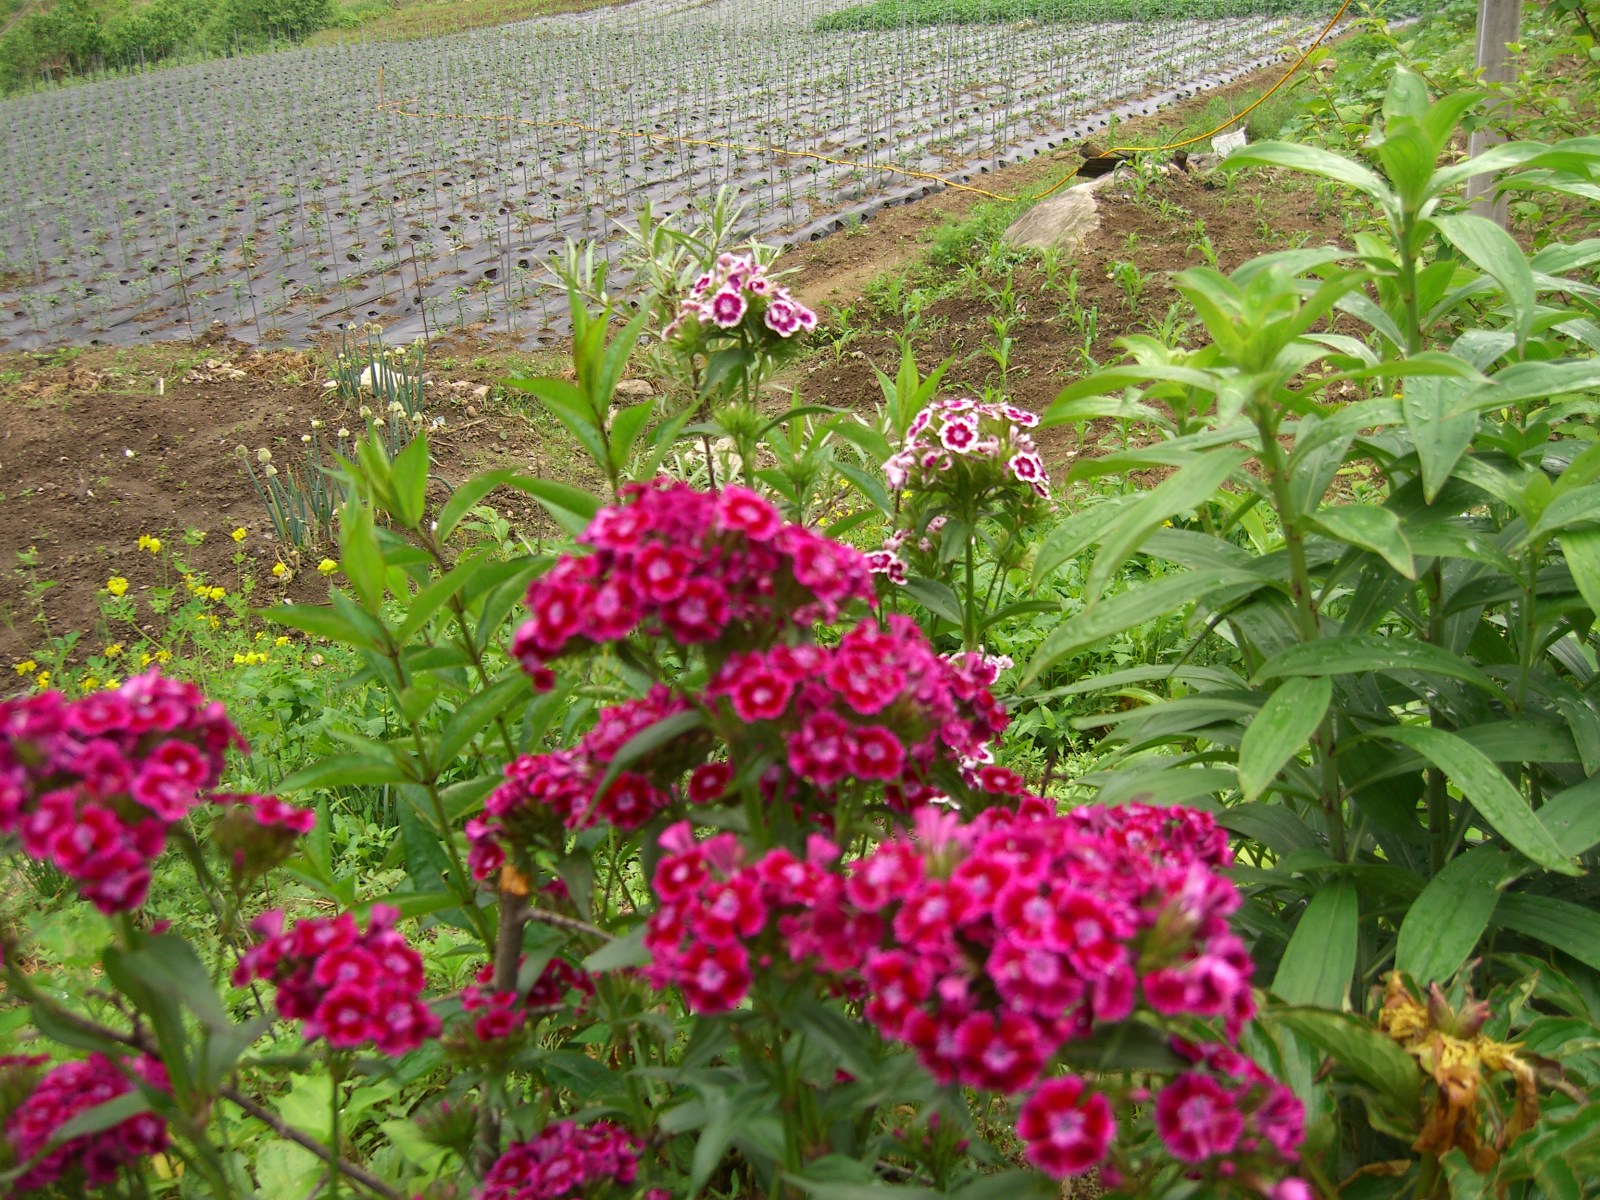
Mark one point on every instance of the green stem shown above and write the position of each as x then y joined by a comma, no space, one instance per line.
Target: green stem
1438,799
336,1065
969,634
1276,468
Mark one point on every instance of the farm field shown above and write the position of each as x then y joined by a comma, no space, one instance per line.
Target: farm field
1086,698
275,196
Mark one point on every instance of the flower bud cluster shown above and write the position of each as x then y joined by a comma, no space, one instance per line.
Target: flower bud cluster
255,833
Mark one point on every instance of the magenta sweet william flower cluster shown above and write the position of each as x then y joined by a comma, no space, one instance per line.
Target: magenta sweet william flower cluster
736,296
350,986
564,786
498,1015
1006,940
694,567
989,947
564,1160
92,786
62,1094
880,706
713,910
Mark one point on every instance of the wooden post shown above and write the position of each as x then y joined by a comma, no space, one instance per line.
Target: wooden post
1499,25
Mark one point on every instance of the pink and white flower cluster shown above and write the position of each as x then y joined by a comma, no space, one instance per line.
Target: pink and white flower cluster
62,1094
92,786
351,987
960,456
950,433
694,567
990,947
736,296
498,1015
564,1160
713,909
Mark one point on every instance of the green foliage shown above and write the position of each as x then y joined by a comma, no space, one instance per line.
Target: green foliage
1406,731
72,37
894,14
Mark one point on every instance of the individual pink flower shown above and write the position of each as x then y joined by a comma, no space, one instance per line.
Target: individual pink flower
1197,1118
959,434
1068,1129
709,782
726,308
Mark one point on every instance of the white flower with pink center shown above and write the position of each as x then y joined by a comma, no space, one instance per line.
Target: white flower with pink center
782,318
897,470
1029,468
959,434
727,308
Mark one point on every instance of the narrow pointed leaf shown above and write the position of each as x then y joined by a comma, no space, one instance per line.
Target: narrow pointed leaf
1502,807
1570,928
1444,924
1320,960
1280,730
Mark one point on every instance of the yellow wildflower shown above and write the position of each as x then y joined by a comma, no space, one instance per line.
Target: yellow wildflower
280,570
281,640
163,656
114,649
240,534
89,683
152,544
215,593
249,659
117,585
111,682
146,659
327,567
42,679
26,667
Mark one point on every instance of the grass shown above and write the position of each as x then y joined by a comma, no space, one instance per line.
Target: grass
410,19
893,14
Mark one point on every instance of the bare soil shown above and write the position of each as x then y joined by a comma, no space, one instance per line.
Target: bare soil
99,447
